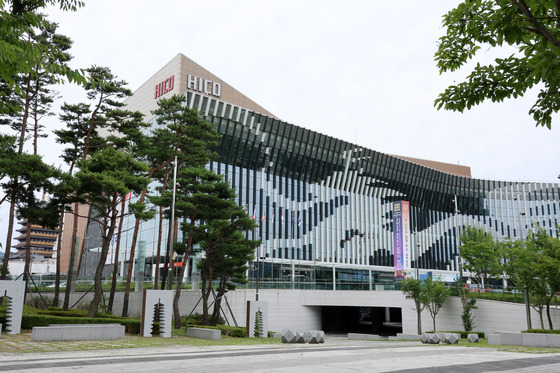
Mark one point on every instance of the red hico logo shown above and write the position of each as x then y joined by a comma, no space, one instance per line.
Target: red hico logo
164,87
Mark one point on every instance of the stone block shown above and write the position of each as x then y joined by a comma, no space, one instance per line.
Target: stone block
424,338
511,339
494,339
299,337
106,332
535,340
452,338
553,340
288,336
314,336
77,332
401,336
433,339
203,333
473,338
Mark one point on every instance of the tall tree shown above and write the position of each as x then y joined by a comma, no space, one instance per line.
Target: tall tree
104,91
30,96
482,254
529,29
192,140
21,174
436,295
21,54
182,134
219,230
546,251
413,289
104,178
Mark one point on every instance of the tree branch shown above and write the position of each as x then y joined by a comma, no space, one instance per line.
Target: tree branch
540,29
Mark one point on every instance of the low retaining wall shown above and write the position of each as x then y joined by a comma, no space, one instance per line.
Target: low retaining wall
524,339
202,333
77,332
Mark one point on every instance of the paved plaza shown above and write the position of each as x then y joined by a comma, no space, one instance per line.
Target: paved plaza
336,355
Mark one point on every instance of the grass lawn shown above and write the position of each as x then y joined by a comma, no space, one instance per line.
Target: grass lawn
22,343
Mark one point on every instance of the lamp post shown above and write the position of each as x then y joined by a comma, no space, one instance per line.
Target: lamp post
417,260
458,241
527,306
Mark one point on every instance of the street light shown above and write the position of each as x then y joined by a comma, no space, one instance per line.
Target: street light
417,260
527,306
458,241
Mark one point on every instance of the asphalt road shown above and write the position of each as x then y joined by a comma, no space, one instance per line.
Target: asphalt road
336,355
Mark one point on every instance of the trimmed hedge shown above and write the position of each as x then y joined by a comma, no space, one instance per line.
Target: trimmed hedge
543,331
225,330
132,326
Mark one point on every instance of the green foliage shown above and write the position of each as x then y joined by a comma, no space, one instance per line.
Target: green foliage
414,289
257,332
436,295
530,31
132,326
468,301
20,53
534,266
196,319
542,331
482,254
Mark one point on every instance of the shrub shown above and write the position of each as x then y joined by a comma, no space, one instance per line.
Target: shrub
543,331
132,326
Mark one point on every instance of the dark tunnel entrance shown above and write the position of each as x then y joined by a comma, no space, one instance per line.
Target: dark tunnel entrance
383,321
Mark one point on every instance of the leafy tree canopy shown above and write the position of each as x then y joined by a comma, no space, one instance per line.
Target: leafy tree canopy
481,252
530,27
19,53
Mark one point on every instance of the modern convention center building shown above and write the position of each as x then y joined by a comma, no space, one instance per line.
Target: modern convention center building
334,215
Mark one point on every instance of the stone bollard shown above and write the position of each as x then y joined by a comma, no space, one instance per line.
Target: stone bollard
451,338
473,338
433,339
424,338
288,336
299,337
314,336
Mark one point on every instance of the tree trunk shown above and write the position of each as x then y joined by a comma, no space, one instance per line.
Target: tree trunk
176,312
71,259
548,311
58,252
26,271
106,242
205,294
434,320
218,302
419,316
116,260
8,239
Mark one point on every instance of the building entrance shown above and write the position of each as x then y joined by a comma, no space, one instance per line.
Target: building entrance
369,320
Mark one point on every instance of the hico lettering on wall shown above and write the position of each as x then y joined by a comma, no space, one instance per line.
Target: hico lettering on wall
205,86
164,87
